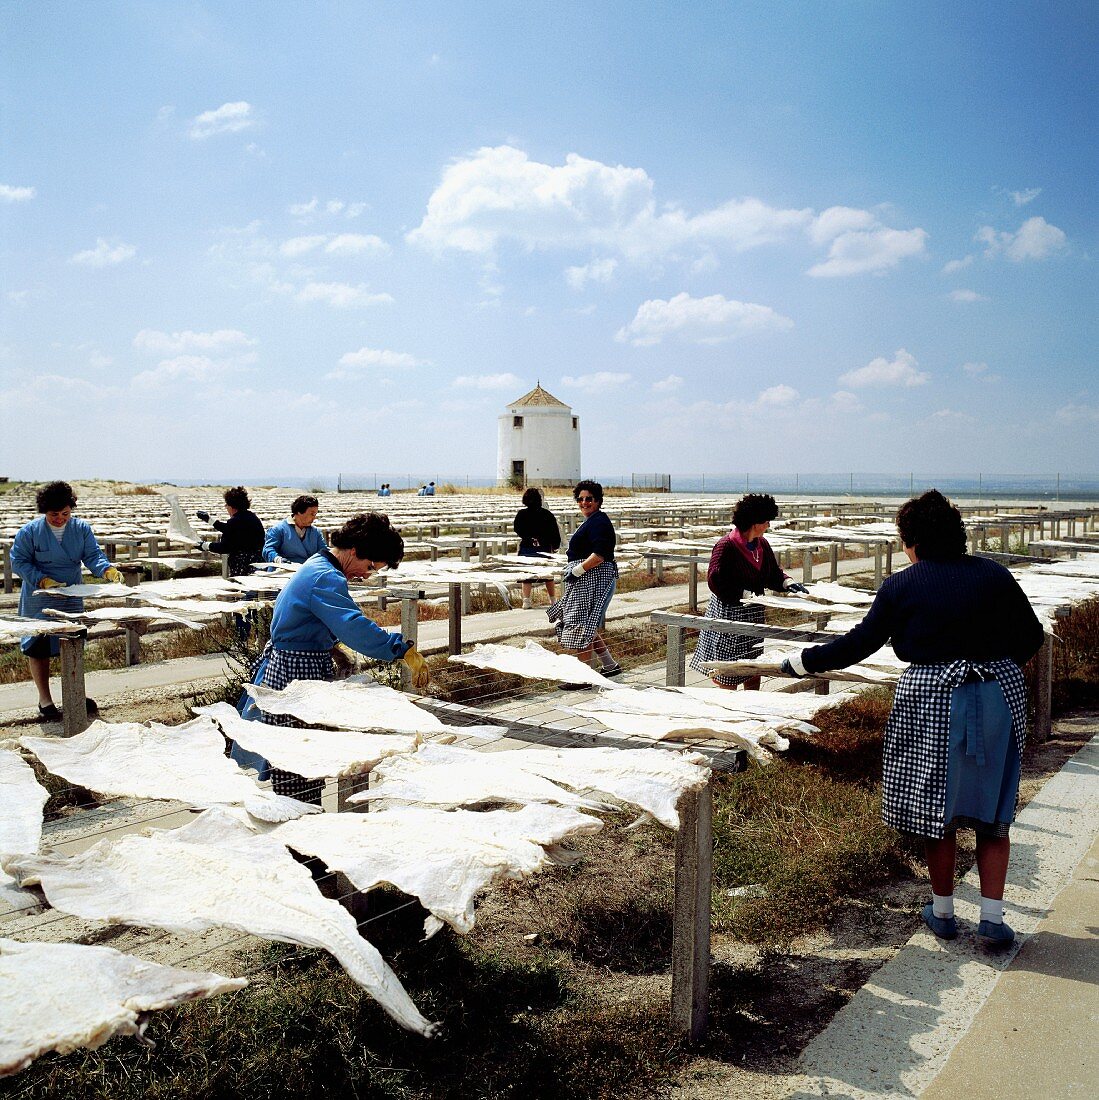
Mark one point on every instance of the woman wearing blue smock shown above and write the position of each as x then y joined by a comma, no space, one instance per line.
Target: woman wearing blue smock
48,553
955,736
295,539
313,612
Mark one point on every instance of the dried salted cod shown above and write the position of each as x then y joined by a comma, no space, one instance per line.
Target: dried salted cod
215,873
123,615
855,674
179,526
829,592
443,857
204,608
105,591
314,753
532,661
794,603
12,629
763,704
62,996
357,703
445,775
184,763
21,799
182,588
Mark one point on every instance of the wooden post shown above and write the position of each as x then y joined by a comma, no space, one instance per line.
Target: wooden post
658,567
692,586
890,547
74,698
133,645
465,587
877,566
454,644
224,567
9,579
834,561
676,662
409,631
691,923
807,566
1043,696
154,552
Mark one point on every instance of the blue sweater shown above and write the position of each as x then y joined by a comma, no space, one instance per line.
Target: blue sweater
315,610
36,553
283,541
939,611
594,536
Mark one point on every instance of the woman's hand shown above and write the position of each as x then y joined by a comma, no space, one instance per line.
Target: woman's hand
49,582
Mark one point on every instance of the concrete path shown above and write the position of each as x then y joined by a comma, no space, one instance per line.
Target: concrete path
949,1019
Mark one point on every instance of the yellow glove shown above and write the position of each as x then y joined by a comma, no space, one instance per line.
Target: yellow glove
113,575
49,582
417,666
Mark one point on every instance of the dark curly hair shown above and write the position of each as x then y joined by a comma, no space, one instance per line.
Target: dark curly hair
932,526
592,487
238,498
754,508
372,537
55,496
532,498
303,503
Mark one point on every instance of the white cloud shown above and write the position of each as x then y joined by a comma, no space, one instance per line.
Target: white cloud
858,251
1078,414
229,118
949,418
844,401
778,395
1035,239
975,370
40,392
708,320
333,207
1029,194
355,361
342,295
486,382
298,246
99,360
967,296
182,368
598,271
304,209
499,194
837,220
956,265
599,382
221,342
901,370
15,194
349,244
668,385
104,254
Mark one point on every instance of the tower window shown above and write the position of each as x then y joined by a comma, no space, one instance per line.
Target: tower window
576,423
517,421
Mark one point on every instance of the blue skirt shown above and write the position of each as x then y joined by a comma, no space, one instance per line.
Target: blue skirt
982,773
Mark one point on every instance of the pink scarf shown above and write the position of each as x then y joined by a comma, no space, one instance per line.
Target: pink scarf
755,557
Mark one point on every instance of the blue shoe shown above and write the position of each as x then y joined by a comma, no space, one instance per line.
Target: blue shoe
996,936
946,928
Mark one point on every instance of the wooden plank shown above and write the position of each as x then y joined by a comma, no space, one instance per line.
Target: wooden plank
74,699
691,921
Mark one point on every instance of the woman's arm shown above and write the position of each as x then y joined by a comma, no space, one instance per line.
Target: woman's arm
341,615
272,543
92,553
22,559
856,645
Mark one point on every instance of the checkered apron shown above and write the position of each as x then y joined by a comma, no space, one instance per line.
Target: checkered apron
578,614
282,666
713,646
917,739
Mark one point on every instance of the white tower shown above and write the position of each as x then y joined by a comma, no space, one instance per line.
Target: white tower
539,442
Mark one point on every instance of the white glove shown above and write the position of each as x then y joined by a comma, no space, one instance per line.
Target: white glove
578,569
281,560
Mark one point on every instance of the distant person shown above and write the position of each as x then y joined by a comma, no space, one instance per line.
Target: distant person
590,580
295,539
539,536
241,534
48,553
954,739
313,612
384,491
430,489
741,561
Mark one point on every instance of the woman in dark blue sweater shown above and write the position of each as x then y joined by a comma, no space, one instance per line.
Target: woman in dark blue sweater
954,739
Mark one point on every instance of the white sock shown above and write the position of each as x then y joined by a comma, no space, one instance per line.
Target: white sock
942,905
992,909
526,603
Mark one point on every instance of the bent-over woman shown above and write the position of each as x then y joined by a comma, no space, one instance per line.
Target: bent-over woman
295,539
48,553
590,580
313,612
539,536
741,561
241,534
954,739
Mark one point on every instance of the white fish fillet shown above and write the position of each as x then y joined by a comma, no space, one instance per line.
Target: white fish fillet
533,662
123,615
105,591
355,703
794,603
314,753
62,996
182,588
21,800
185,763
856,674
12,629
444,858
445,775
215,873
832,592
197,606
179,526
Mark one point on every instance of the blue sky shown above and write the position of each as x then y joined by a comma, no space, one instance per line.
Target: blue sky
245,240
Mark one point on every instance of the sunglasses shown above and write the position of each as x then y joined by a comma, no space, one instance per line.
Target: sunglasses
585,500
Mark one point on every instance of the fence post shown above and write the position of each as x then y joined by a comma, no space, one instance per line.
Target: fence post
807,566
74,698
877,566
454,645
1043,696
9,580
676,663
466,591
691,922
834,561
410,613
224,567
133,645
692,586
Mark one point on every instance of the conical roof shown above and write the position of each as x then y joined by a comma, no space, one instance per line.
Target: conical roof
538,396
